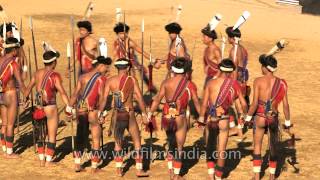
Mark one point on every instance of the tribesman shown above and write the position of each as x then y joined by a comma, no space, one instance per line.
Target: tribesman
241,59
212,53
219,95
9,75
240,74
177,47
12,31
47,82
177,91
86,47
125,89
86,96
268,92
125,47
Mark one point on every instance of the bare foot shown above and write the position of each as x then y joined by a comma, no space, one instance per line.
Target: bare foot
12,156
210,177
171,173
233,132
78,168
256,176
96,170
50,164
120,172
141,173
42,163
177,177
271,177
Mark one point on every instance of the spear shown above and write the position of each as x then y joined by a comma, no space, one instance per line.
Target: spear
150,67
69,69
33,128
73,52
142,54
33,44
223,45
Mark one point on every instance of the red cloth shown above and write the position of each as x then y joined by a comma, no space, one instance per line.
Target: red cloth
278,97
182,104
7,73
230,96
213,68
40,150
86,61
50,91
92,99
122,50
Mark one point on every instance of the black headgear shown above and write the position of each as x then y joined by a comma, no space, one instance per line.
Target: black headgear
8,28
85,24
11,42
233,33
103,60
121,27
227,65
173,28
50,56
269,62
181,65
206,31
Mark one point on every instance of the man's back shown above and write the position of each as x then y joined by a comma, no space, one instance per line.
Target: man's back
264,86
127,83
214,86
170,86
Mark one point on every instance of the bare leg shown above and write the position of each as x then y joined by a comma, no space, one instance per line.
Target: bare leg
222,144
81,140
11,102
52,125
181,134
136,138
96,135
274,146
211,135
257,144
4,128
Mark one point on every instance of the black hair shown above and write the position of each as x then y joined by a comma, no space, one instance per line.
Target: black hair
182,63
233,33
227,63
11,40
173,28
121,27
85,24
212,34
268,61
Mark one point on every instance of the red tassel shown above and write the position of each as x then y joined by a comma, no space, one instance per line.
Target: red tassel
152,125
38,114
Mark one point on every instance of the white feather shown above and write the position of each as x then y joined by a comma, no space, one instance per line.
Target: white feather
103,48
179,11
215,21
118,15
243,18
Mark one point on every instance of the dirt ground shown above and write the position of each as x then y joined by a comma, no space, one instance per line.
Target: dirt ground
299,64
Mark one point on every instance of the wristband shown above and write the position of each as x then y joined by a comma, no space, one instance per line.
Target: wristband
248,118
201,119
25,68
287,123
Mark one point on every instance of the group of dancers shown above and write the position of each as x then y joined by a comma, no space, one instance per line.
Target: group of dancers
225,91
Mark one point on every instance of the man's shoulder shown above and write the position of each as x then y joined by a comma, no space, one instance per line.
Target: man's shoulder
90,39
